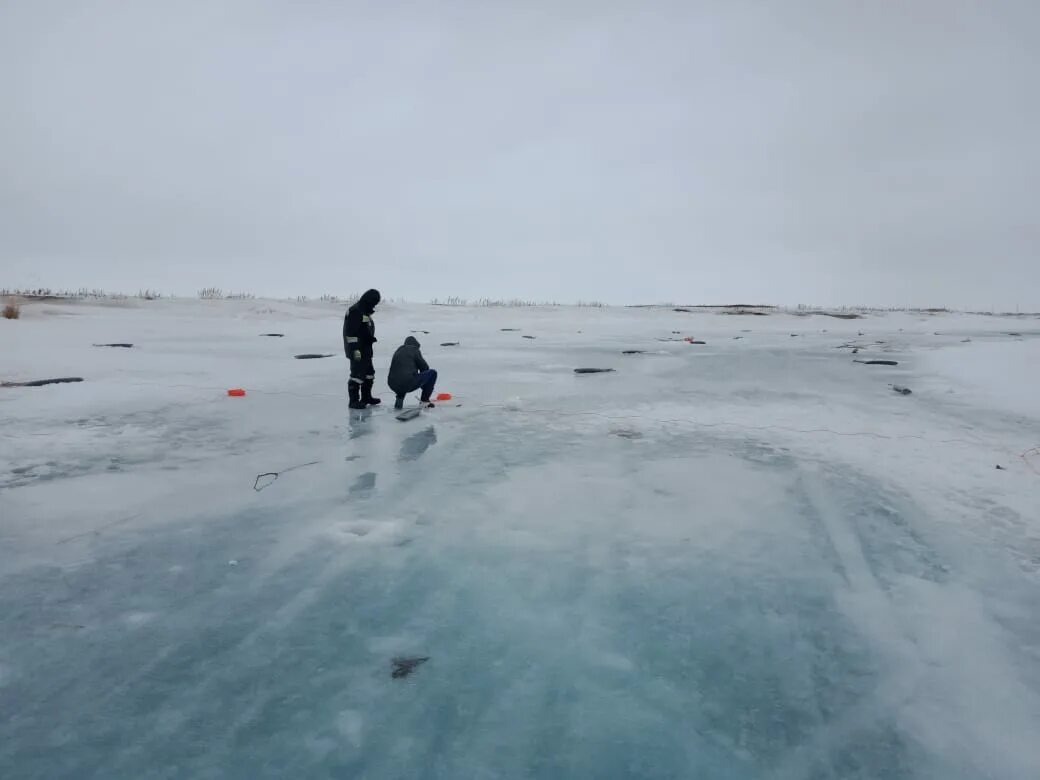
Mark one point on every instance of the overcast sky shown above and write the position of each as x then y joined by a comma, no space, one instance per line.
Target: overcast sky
821,152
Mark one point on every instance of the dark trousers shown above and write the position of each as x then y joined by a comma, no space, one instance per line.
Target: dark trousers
425,381
362,370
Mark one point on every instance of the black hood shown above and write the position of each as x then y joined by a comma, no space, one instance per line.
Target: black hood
412,341
369,301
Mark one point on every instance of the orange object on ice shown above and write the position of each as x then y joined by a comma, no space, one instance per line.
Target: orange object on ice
443,396
236,392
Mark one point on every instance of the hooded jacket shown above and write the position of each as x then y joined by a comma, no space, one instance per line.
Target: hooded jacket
405,367
359,331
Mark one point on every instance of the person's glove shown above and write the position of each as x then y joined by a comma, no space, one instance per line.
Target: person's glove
357,355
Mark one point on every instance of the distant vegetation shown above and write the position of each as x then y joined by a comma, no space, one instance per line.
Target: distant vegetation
216,294
328,298
98,294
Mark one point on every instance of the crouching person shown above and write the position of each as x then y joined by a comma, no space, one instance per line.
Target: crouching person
410,372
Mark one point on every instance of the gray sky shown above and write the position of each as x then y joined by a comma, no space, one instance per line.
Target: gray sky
824,152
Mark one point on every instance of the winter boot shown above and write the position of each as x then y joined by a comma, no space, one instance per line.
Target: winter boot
425,401
399,403
366,394
354,391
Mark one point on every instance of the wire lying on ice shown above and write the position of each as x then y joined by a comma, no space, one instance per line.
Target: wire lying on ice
275,474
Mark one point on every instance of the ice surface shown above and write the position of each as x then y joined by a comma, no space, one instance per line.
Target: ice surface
743,559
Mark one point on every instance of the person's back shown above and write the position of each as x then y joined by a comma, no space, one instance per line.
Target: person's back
409,371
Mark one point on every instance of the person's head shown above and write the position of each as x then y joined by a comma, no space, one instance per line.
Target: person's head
411,341
370,300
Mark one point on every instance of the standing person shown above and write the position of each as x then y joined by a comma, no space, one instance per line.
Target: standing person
409,371
359,334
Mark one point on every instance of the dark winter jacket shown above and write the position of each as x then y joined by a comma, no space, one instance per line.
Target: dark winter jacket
359,332
405,367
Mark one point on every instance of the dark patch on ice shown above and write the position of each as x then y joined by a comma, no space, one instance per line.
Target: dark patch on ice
42,382
627,433
450,344
687,311
696,341
1014,334
902,390
1000,468
425,332
415,445
633,352
312,356
274,335
402,667
877,362
528,337
352,457
509,330
122,345
593,370
364,484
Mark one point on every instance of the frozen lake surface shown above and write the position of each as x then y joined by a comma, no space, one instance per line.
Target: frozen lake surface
744,559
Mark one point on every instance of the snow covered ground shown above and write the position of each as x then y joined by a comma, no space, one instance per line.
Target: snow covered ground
744,559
